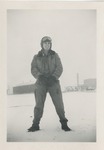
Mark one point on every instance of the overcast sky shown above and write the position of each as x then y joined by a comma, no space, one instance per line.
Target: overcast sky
73,34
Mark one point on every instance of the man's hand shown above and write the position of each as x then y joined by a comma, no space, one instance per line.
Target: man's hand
43,79
51,80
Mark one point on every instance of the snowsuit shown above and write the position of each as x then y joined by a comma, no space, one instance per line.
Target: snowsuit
49,65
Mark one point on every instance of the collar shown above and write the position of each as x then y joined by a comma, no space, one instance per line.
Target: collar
41,53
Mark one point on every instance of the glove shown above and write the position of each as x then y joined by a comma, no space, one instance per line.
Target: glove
51,80
43,79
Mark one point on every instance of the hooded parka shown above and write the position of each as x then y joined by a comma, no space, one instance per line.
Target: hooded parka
50,64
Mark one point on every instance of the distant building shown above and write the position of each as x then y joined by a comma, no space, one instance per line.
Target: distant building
22,89
90,84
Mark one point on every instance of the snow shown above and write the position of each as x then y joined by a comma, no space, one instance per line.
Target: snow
80,110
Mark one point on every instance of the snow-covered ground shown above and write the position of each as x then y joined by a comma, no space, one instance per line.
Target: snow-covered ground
80,108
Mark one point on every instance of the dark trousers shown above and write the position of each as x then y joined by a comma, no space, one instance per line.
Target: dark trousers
40,96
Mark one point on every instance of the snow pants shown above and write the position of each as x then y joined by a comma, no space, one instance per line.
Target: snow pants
40,96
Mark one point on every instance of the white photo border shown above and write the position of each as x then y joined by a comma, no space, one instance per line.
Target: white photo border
99,7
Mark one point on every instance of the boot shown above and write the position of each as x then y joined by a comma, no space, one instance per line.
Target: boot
65,127
34,128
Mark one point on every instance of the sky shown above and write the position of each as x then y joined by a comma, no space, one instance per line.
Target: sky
73,34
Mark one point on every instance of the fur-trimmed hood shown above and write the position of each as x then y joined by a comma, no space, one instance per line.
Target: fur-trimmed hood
41,53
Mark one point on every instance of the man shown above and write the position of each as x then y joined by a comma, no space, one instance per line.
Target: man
46,67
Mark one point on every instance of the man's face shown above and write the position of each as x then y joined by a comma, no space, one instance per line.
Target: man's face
46,45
